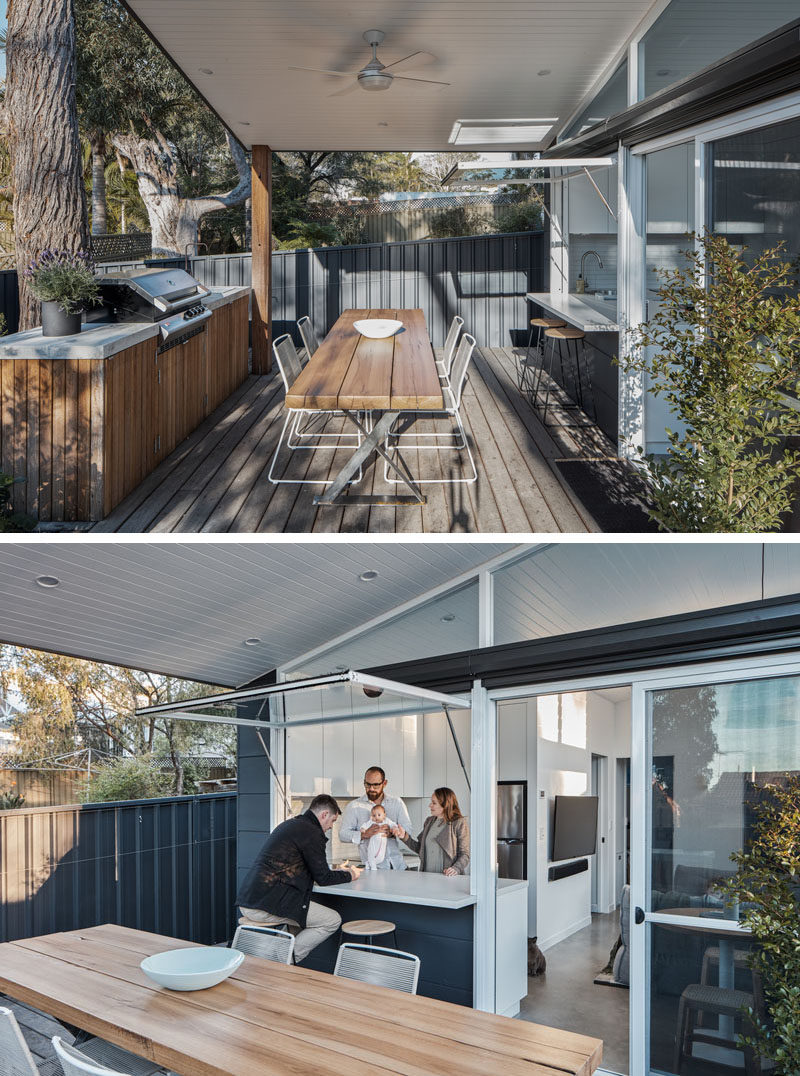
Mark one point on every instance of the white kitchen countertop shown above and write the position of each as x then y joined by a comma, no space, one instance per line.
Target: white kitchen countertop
415,887
97,341
582,311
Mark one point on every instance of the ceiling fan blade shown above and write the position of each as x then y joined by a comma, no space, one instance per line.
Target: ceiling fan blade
408,63
425,81
321,71
348,89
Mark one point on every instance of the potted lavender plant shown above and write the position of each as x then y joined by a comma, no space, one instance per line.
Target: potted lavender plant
65,284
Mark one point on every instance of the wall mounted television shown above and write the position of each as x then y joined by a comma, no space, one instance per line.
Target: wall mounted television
574,827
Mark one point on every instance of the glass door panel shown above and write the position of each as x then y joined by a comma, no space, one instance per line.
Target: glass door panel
712,753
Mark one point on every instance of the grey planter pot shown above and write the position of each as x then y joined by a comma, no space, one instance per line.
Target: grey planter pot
55,322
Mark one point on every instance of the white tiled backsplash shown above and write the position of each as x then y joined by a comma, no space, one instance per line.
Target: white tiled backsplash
596,279
417,812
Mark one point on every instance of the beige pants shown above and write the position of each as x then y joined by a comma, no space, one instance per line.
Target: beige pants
321,922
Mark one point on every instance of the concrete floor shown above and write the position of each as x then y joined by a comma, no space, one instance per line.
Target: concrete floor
566,997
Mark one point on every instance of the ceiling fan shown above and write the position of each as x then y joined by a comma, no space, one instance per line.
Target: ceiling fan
374,76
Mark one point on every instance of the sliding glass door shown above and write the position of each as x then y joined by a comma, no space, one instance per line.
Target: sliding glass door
707,749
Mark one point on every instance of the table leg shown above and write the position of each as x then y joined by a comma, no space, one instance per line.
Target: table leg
727,981
372,442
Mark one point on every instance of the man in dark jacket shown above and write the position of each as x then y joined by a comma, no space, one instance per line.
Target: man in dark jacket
278,886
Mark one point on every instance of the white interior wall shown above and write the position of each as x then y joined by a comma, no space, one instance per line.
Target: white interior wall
570,729
516,761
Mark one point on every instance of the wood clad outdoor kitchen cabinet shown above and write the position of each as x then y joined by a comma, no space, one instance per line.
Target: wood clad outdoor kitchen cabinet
84,432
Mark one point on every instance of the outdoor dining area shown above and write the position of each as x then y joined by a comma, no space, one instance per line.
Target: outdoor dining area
263,1013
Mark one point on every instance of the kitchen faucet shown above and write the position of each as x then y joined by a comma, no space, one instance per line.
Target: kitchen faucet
584,256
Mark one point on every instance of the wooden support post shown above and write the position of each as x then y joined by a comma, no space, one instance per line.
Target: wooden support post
262,259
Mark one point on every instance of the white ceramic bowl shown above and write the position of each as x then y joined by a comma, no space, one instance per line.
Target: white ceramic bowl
191,969
377,328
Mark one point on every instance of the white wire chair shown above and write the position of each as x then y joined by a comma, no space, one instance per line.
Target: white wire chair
309,337
452,391
378,966
267,942
102,1059
299,429
444,364
15,1056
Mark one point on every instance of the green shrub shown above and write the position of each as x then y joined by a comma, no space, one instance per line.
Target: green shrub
57,276
10,800
460,220
766,886
524,217
723,349
125,779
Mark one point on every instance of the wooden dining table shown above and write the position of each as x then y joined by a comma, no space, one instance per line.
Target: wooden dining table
394,379
272,1019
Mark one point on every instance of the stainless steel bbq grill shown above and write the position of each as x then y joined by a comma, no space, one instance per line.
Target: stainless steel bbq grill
171,297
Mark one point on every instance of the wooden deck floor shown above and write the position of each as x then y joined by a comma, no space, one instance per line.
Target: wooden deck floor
217,481
37,1029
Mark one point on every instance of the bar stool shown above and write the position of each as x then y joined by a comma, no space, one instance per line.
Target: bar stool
538,325
369,929
573,340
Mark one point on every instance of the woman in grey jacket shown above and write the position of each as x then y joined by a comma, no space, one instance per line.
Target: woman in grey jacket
443,844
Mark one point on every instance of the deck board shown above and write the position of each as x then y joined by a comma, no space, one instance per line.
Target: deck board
216,480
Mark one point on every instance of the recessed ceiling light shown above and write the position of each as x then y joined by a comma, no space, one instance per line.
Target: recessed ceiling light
544,71
366,577
252,641
48,581
340,668
383,123
662,72
244,123
206,71
448,618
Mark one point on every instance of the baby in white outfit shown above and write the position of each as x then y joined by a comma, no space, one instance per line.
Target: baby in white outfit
376,845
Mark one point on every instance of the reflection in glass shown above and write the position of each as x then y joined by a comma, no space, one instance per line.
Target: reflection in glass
691,34
612,99
756,188
717,750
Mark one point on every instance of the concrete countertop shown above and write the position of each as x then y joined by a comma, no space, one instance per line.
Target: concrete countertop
583,311
415,887
96,340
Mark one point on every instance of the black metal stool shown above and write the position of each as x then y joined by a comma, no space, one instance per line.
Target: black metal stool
573,340
538,325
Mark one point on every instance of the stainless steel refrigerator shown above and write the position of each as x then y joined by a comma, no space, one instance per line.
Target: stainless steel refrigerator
512,825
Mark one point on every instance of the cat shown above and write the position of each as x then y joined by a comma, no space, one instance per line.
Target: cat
537,963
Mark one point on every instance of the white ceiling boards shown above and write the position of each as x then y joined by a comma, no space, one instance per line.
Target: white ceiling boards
187,609
502,58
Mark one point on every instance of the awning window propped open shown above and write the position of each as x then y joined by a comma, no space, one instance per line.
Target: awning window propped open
323,700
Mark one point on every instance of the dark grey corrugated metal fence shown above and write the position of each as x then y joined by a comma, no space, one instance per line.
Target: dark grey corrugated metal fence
164,865
483,278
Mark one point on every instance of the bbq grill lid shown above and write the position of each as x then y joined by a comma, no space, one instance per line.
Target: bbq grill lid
168,284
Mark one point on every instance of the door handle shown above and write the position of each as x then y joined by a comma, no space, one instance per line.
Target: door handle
638,916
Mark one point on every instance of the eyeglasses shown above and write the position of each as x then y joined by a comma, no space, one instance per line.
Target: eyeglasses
374,784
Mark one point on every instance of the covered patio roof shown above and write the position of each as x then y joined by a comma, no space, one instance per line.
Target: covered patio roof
503,60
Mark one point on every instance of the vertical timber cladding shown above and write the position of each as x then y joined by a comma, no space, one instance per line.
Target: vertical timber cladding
261,200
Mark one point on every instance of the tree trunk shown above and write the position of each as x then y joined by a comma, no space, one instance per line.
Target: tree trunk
174,221
47,169
99,215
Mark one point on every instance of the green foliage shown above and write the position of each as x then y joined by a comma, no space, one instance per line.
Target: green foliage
57,276
125,779
11,521
766,886
10,800
460,220
521,217
723,349
309,233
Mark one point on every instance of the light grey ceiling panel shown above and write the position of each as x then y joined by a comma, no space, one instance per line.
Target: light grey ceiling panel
187,608
576,587
503,59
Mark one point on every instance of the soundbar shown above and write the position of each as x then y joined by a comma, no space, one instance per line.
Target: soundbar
566,870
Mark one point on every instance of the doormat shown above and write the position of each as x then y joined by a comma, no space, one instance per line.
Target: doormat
606,978
610,492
